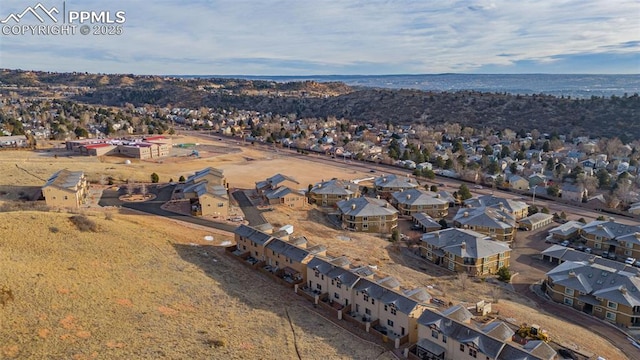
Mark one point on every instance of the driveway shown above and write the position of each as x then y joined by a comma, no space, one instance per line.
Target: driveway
251,213
163,194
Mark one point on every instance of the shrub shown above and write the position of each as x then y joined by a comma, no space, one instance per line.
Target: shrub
395,235
5,295
215,343
83,223
504,274
182,179
155,178
53,229
108,215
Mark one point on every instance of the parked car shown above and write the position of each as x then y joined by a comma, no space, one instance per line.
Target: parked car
588,250
416,227
637,264
580,248
549,239
605,254
630,261
478,186
565,243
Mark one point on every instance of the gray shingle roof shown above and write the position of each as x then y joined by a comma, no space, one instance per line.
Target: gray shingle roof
464,243
386,296
609,229
425,220
65,179
567,228
365,206
204,172
418,197
498,330
284,248
494,201
335,187
280,192
598,280
485,217
252,234
395,182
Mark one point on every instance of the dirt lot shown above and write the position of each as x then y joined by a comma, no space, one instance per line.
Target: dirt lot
141,288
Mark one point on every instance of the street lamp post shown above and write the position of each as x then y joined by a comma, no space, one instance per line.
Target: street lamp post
534,195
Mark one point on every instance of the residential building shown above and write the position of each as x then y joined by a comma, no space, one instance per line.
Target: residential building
332,277
426,222
66,189
292,260
467,251
211,175
614,237
393,311
493,222
517,209
207,199
596,289
566,231
414,201
451,335
252,241
286,196
274,182
368,215
328,193
573,192
517,182
535,221
387,184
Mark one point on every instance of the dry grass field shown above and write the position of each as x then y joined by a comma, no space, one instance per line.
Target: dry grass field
140,288
145,287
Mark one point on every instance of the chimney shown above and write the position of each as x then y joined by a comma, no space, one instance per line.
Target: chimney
572,274
408,196
463,245
378,197
611,218
465,214
353,206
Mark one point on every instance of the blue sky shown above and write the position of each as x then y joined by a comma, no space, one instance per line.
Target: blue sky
298,37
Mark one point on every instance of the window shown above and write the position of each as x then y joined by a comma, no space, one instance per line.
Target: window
393,311
568,291
220,204
339,286
365,297
386,308
367,311
322,277
598,309
66,197
597,245
332,282
501,264
612,305
628,252
317,274
611,316
336,295
473,353
365,226
318,286
373,301
434,334
462,347
444,338
390,323
568,301
364,218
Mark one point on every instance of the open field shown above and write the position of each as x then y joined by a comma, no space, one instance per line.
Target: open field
139,288
143,288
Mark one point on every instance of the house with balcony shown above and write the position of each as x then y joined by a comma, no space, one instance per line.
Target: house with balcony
573,192
517,209
329,193
66,189
252,241
207,199
493,222
368,215
463,250
605,292
332,280
389,311
426,222
414,201
517,182
447,335
620,239
289,261
385,185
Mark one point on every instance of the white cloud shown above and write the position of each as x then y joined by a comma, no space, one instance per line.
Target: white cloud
294,37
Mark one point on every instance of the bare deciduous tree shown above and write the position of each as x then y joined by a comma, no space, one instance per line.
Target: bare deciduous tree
463,280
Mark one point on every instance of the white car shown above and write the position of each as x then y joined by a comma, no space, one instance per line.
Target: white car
565,243
630,261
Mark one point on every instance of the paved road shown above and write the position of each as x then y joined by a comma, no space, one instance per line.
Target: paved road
110,198
251,213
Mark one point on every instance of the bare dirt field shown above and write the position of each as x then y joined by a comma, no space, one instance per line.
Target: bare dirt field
140,288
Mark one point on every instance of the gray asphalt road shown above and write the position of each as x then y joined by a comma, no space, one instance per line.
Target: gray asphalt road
110,198
251,213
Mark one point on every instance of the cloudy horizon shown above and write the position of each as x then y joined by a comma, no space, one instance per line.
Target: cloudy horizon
284,37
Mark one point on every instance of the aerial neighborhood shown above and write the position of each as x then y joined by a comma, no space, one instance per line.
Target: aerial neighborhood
416,238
